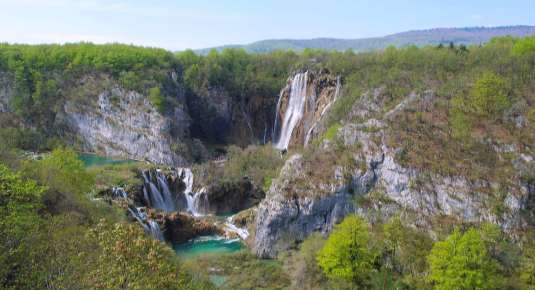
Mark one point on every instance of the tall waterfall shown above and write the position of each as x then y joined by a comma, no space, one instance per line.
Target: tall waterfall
156,191
192,198
294,111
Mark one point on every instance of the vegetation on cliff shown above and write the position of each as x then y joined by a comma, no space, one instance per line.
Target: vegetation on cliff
476,112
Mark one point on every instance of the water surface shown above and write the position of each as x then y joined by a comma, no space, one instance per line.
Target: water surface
207,245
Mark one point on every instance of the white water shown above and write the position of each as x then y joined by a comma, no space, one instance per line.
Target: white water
158,195
231,227
192,198
154,229
119,192
150,226
294,111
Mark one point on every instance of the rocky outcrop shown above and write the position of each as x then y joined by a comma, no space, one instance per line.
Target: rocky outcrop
180,228
123,123
231,197
284,219
302,105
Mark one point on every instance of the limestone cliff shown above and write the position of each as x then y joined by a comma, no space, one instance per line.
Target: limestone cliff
315,191
123,123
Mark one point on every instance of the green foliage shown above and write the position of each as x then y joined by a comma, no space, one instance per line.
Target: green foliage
156,98
489,96
131,81
131,260
462,261
524,45
241,270
331,132
44,75
526,271
62,171
408,248
259,163
20,201
303,269
348,253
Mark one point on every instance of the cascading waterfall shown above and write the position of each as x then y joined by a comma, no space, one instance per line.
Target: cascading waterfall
231,227
294,111
150,226
157,194
192,198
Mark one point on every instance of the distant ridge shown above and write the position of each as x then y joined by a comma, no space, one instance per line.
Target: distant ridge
436,36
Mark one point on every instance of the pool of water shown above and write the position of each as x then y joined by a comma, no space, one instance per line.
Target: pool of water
96,160
207,245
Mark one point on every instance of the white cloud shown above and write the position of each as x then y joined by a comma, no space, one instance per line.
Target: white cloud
476,16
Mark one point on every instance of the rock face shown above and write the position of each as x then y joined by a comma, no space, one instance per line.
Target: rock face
282,220
292,209
222,118
123,123
230,197
302,103
179,228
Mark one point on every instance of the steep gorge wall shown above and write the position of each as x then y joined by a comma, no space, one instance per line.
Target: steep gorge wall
313,193
124,123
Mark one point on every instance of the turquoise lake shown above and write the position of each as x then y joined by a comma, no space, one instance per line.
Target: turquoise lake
207,245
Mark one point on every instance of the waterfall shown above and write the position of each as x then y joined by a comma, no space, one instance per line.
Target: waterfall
156,191
150,226
231,227
119,192
192,198
154,230
294,111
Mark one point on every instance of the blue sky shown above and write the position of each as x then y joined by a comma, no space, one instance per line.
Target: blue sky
179,24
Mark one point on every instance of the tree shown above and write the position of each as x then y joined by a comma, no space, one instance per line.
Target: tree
489,96
524,46
20,201
348,253
67,180
406,248
462,261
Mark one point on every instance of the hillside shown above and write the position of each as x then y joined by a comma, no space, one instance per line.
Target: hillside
268,171
468,35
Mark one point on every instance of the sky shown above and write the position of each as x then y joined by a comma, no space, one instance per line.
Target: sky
179,24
